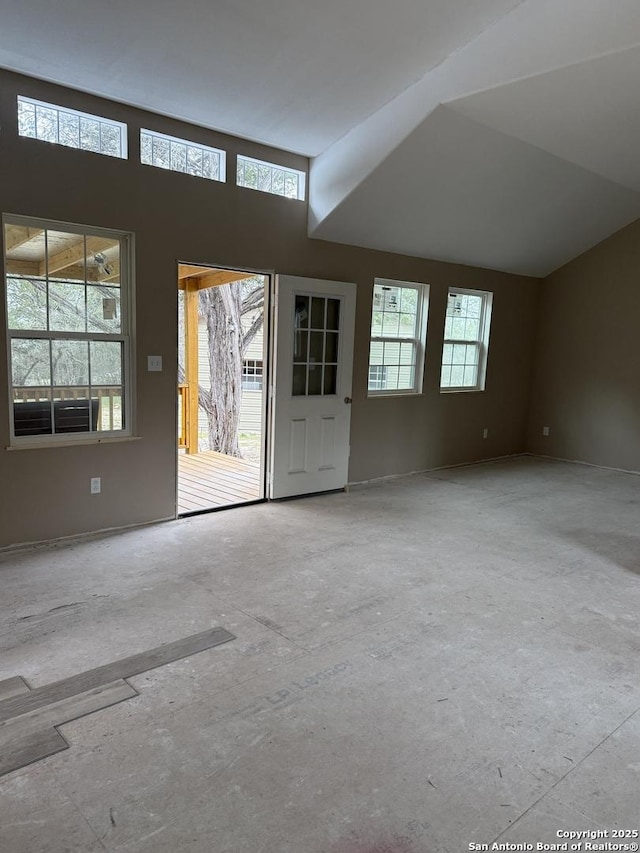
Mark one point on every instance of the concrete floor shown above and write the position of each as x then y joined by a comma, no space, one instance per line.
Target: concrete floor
420,665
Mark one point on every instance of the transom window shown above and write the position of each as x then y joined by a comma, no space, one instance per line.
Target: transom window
398,334
466,340
181,155
64,126
270,178
252,374
67,295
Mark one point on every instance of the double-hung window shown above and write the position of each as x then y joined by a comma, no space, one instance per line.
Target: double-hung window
68,296
398,335
466,340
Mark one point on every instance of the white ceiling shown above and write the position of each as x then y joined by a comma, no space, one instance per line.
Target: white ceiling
499,133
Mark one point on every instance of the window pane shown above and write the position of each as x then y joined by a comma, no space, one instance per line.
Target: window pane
376,323
331,348
110,414
26,303
333,314
459,354
317,313
391,353
106,363
69,126
300,342
376,352
409,300
330,379
46,124
161,155
407,326
75,412
178,157
316,347
464,312
390,324
277,184
315,379
470,376
103,309
110,140
26,119
70,362
457,376
299,380
407,353
65,256
30,362
67,311
103,260
194,161
89,134
302,312
146,148
405,376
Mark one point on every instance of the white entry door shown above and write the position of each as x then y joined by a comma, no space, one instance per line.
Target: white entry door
311,414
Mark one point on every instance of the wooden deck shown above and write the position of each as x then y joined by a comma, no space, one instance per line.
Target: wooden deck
207,480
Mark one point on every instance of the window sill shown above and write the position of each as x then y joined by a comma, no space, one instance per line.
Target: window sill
41,445
371,395
461,390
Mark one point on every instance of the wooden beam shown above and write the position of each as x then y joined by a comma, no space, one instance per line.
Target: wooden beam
208,276
189,270
218,277
25,268
191,363
18,235
74,254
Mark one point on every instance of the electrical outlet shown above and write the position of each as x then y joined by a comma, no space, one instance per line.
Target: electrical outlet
96,485
485,432
154,363
545,430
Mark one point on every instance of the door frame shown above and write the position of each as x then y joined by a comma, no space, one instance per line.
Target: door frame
267,348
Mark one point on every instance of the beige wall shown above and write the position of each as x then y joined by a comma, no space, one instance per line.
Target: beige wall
586,385
45,492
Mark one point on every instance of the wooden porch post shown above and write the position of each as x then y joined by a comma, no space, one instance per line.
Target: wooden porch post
191,362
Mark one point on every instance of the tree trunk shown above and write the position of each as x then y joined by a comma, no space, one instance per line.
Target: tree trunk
221,307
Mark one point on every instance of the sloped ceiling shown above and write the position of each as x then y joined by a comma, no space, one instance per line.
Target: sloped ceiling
497,133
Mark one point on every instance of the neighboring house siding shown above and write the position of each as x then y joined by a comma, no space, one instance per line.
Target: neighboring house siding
251,406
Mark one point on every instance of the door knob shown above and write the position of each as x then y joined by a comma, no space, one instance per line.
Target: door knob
348,400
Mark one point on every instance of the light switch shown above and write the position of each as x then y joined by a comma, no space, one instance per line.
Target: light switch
154,362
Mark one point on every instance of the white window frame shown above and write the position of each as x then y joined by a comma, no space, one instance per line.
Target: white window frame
419,340
119,125
125,336
301,177
252,378
187,143
482,342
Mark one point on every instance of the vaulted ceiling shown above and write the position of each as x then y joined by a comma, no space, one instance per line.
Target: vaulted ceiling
499,133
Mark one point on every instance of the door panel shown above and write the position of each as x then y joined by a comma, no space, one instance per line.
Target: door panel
314,327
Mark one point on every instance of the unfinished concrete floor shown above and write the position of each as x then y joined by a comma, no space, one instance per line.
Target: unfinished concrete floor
420,665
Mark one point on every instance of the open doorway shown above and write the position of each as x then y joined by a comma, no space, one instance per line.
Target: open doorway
222,361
